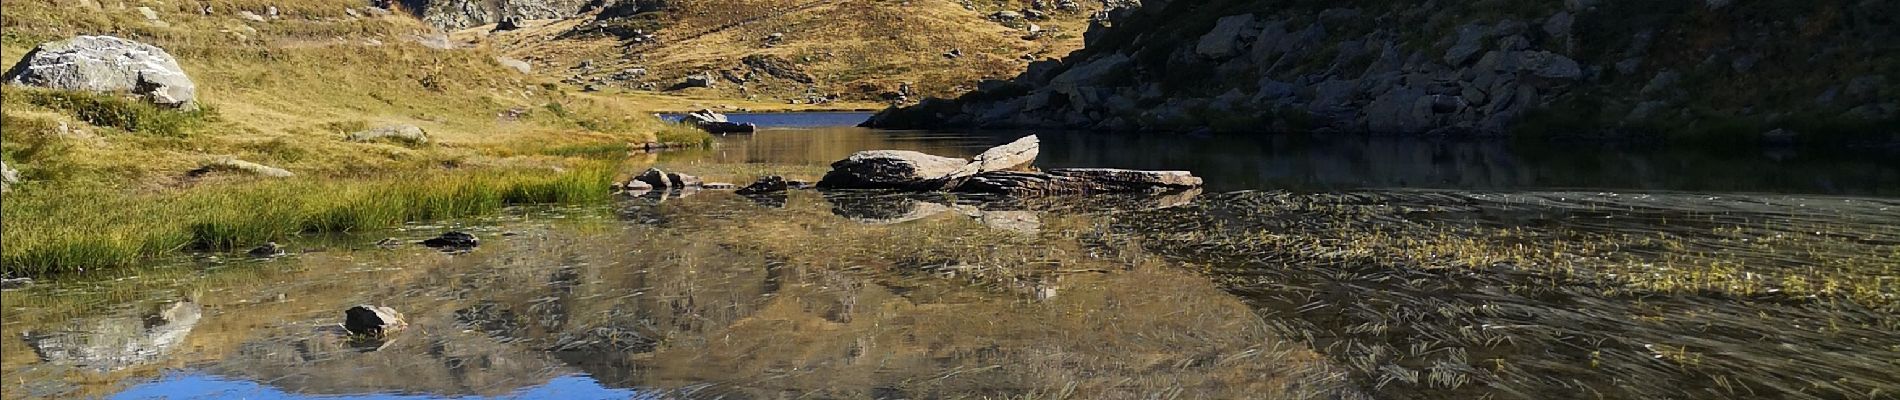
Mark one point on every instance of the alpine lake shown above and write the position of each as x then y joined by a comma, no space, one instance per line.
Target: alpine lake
1309,267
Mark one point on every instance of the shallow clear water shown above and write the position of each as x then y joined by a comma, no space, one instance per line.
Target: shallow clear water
1285,162
1350,268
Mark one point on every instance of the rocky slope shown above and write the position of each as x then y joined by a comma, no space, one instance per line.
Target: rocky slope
1781,70
787,51
458,14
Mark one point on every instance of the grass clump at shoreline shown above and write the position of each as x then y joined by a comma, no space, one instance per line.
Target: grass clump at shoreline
53,230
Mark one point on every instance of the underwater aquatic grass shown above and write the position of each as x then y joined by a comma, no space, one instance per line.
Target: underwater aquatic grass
53,230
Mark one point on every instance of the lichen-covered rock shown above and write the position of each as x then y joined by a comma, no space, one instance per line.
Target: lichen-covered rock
888,169
230,164
1014,155
8,177
110,65
459,14
409,134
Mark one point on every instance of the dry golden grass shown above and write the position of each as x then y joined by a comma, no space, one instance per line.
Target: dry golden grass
856,48
286,91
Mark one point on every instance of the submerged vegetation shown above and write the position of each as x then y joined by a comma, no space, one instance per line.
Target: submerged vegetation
48,231
1629,296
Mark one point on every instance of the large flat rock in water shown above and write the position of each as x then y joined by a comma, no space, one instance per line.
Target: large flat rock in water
889,169
1015,155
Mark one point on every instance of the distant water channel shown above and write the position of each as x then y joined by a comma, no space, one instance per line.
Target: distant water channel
1336,268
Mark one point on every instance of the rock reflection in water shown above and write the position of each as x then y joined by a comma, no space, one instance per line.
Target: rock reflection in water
1014,214
732,300
117,342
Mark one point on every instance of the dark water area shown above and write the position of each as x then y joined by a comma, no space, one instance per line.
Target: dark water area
1306,163
792,119
1311,268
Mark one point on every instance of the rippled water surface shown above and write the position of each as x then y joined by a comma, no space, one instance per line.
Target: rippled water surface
1349,268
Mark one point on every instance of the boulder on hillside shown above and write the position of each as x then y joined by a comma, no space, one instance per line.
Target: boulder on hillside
694,81
1224,40
235,165
517,65
110,65
409,134
889,169
8,176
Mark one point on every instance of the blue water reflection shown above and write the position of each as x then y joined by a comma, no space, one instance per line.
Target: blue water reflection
192,385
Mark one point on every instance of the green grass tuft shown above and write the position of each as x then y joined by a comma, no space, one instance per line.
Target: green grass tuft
47,232
112,110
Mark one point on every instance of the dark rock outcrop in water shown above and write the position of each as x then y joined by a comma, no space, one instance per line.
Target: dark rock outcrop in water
766,185
453,240
1713,69
372,320
1000,170
268,250
1079,180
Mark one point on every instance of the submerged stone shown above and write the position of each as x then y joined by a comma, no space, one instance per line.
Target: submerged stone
453,239
268,250
371,320
769,184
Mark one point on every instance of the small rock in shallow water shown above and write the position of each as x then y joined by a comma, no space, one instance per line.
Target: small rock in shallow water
372,320
681,181
718,186
769,184
15,283
655,179
453,239
268,250
635,185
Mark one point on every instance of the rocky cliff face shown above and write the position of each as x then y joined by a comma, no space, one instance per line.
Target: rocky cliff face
459,14
1804,69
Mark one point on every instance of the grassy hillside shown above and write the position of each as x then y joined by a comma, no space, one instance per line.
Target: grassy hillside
855,49
284,92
